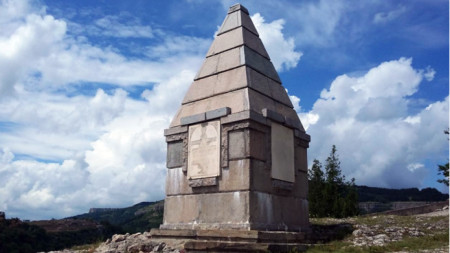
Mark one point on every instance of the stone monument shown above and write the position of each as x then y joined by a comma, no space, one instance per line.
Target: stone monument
236,149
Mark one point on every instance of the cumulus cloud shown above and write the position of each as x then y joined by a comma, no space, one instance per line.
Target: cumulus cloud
281,50
379,141
62,152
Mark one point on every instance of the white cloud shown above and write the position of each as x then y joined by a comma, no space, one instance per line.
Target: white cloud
61,154
385,17
113,26
380,143
280,49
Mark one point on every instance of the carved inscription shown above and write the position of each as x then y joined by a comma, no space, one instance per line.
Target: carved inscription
204,150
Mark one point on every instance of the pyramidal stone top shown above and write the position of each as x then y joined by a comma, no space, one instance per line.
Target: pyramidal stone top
237,74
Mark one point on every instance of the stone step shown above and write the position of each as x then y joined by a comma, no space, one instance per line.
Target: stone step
232,246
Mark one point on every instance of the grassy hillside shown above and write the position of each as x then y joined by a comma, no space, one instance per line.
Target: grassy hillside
137,218
385,195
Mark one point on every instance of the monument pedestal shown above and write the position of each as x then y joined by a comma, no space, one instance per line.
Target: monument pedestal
234,240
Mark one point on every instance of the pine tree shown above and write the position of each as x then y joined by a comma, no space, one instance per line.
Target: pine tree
316,185
329,193
443,169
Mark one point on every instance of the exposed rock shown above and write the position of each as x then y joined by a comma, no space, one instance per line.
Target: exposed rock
135,243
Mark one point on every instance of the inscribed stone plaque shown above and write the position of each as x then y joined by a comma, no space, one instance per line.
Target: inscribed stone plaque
204,150
282,145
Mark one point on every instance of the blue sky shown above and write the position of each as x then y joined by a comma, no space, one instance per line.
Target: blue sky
87,87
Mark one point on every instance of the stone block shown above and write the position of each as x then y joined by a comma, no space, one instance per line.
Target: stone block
248,24
259,63
181,210
282,185
236,177
177,182
282,146
175,130
175,154
230,80
228,60
193,119
272,212
244,115
273,115
237,7
259,82
199,182
260,175
231,21
207,211
217,113
235,100
258,145
301,159
300,187
254,42
208,67
226,41
278,92
238,144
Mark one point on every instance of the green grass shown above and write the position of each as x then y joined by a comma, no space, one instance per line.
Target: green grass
435,238
410,244
89,247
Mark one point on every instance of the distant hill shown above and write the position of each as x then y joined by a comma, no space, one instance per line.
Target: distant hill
137,218
384,195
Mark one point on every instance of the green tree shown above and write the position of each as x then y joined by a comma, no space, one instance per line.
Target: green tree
329,194
315,193
443,169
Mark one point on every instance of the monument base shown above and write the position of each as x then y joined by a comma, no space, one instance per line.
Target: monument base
234,240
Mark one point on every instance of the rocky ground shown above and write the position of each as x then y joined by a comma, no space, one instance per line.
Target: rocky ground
359,232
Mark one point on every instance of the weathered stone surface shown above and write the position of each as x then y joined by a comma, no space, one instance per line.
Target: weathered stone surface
272,115
245,115
274,212
175,130
259,63
282,143
217,113
235,38
239,144
207,211
235,19
301,158
282,185
236,100
193,119
199,182
175,154
204,150
220,62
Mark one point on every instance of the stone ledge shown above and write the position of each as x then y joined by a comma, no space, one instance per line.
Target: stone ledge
231,235
245,115
273,115
217,113
282,185
199,182
193,119
175,130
